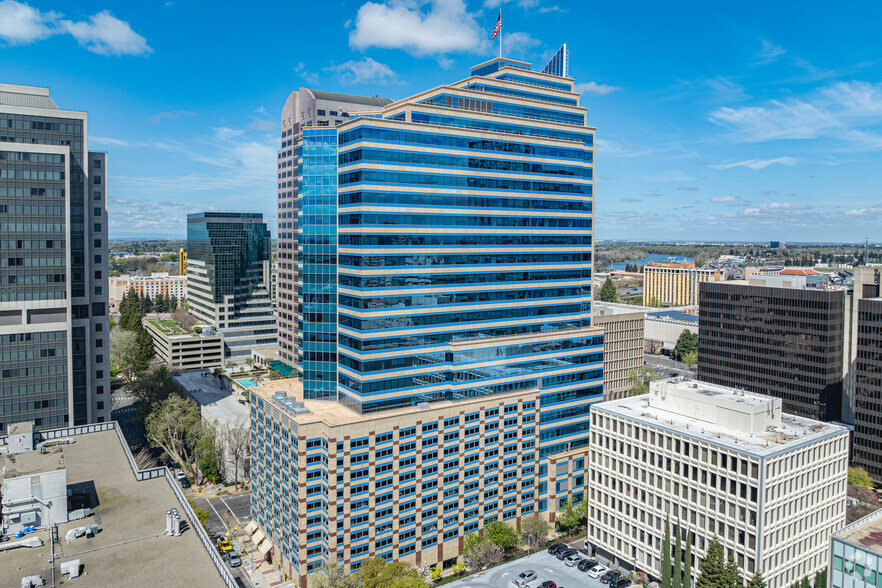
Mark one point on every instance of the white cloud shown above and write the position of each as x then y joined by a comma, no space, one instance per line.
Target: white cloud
770,52
756,163
308,76
262,125
525,4
105,34
445,27
160,116
20,23
724,199
518,44
842,111
366,71
595,88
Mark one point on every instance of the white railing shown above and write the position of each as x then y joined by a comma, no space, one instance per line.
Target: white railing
149,474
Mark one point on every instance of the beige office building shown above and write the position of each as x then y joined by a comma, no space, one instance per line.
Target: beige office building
623,344
723,464
675,284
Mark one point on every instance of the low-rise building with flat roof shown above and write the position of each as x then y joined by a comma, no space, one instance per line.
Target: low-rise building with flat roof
856,554
719,463
185,349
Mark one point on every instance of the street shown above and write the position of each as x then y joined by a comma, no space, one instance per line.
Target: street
219,509
666,366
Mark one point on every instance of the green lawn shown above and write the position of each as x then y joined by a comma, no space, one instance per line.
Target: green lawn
168,326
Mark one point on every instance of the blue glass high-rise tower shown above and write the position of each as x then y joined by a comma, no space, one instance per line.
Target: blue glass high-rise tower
444,262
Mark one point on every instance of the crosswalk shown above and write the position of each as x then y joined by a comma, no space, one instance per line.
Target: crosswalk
126,410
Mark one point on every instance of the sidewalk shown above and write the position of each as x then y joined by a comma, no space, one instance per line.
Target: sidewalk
261,573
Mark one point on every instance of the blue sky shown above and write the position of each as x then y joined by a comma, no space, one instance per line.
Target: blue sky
735,121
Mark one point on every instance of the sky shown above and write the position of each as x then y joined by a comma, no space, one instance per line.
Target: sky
740,121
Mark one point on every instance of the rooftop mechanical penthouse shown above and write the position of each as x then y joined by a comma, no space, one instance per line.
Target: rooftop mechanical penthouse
443,284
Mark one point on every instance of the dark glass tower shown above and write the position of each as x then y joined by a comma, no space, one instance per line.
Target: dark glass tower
228,278
54,356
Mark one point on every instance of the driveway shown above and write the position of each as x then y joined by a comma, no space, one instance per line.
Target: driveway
546,566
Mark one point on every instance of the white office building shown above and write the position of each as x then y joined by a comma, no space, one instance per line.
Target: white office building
720,463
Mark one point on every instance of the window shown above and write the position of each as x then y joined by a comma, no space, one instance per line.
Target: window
96,163
97,180
96,195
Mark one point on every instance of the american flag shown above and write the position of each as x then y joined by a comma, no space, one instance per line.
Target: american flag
498,26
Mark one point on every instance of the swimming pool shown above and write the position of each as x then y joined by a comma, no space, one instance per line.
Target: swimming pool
247,383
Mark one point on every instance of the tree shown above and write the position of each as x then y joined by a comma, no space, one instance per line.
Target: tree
153,387
124,351
502,534
806,583
332,575
479,552
145,351
208,452
249,362
666,556
201,514
677,578
378,573
859,477
608,292
654,302
640,379
184,319
757,580
713,568
690,358
686,343
687,569
732,577
237,445
820,579
176,425
572,513
534,531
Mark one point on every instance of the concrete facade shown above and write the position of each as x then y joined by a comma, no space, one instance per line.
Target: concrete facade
186,350
152,285
675,284
623,346
770,487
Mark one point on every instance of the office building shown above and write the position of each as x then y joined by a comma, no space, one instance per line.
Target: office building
784,342
719,463
663,329
675,284
856,554
623,345
228,278
445,286
54,352
307,108
865,284
152,286
184,349
867,438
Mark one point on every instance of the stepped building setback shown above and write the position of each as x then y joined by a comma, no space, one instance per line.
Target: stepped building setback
435,294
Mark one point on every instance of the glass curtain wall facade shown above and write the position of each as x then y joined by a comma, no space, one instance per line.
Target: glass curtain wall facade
868,388
228,283
54,357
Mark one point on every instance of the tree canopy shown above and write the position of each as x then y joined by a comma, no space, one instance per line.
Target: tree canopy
686,343
608,292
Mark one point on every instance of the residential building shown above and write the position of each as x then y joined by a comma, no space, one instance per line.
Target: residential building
444,272
228,278
153,285
784,342
718,463
623,344
184,349
54,351
675,284
856,554
305,108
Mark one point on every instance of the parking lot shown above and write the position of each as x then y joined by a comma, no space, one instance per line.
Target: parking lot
546,566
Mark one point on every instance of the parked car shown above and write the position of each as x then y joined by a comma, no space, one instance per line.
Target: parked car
586,564
524,578
223,545
555,548
610,576
179,474
565,553
573,560
234,559
185,483
548,584
597,571
620,583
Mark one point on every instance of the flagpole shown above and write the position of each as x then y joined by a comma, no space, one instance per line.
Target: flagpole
500,32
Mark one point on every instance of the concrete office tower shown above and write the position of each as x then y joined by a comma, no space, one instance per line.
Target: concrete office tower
304,108
675,284
445,270
866,285
786,342
623,345
228,278
719,463
54,351
867,438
